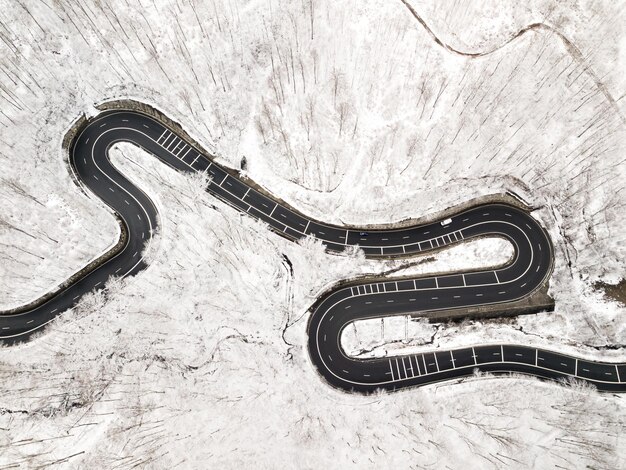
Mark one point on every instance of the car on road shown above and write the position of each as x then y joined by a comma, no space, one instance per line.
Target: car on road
363,234
446,222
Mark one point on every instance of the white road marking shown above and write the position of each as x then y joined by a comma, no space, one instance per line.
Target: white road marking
410,366
178,149
170,144
403,367
417,364
536,356
165,138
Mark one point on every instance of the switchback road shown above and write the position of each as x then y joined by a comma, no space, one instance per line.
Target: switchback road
529,268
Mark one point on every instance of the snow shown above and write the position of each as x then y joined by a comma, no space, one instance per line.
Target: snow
201,359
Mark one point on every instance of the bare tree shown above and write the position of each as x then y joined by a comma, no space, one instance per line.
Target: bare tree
343,110
336,83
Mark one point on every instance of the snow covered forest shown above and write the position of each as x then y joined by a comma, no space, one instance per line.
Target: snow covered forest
353,111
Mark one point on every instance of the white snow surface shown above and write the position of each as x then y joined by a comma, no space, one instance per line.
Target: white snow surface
351,112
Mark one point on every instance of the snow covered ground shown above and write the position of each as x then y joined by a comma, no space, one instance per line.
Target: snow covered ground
353,113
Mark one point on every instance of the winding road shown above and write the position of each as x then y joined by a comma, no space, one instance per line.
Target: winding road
530,268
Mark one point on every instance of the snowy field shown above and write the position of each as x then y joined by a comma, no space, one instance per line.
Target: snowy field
353,111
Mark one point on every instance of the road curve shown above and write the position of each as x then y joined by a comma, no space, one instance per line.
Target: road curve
529,268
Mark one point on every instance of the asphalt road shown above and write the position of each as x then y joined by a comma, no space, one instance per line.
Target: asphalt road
519,278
